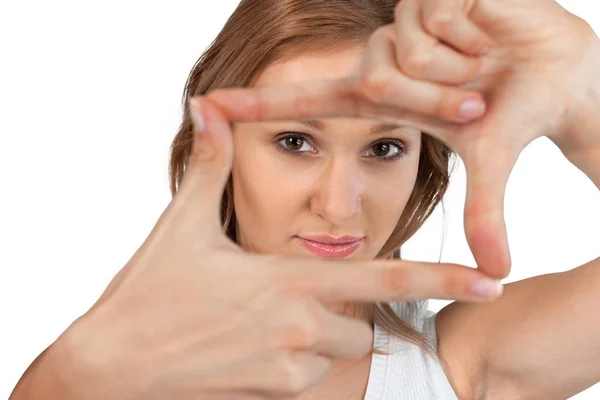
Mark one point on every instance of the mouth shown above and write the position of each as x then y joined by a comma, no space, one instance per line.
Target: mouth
330,247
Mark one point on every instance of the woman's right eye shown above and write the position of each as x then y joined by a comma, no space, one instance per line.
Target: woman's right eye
295,144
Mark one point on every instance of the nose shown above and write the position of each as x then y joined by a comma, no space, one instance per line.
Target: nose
338,193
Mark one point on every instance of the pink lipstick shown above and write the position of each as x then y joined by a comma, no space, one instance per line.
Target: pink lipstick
329,246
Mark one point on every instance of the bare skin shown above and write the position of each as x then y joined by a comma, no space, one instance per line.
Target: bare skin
332,185
543,64
522,369
514,346
169,324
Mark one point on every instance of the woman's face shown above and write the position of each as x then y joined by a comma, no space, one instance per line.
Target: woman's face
331,188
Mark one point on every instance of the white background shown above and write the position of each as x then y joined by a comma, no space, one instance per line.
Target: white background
89,103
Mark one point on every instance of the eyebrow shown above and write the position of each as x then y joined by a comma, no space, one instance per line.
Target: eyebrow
379,128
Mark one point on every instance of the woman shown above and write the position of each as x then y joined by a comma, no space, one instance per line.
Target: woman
330,194
222,323
404,76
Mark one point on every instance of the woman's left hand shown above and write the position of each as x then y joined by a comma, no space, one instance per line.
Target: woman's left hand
536,78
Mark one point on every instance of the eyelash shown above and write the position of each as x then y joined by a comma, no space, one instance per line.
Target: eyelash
402,149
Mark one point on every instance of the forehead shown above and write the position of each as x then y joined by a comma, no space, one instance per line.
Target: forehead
325,65
312,66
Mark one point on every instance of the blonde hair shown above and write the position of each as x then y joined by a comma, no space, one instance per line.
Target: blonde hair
260,32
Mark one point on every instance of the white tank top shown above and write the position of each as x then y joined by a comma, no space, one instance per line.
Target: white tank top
408,372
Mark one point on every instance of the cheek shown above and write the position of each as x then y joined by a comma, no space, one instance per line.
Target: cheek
388,194
389,200
266,200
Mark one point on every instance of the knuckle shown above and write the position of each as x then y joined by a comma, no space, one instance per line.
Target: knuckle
349,95
473,69
296,337
379,34
476,44
438,23
455,284
415,59
292,376
215,93
375,82
302,103
245,104
356,98
395,280
257,106
474,210
465,71
399,9
302,334
201,154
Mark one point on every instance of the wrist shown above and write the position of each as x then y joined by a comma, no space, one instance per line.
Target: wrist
66,370
579,137
45,377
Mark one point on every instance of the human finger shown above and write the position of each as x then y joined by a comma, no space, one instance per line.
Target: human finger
448,21
385,280
380,93
208,166
488,164
422,56
344,337
388,87
305,324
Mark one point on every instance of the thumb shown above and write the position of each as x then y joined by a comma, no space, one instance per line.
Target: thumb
488,165
208,166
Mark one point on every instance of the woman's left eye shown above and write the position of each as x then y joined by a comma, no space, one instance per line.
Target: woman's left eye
386,150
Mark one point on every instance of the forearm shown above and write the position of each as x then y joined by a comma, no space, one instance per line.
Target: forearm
61,372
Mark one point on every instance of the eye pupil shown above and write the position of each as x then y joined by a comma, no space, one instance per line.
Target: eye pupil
381,149
294,143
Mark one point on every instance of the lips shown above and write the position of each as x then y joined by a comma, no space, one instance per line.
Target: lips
329,246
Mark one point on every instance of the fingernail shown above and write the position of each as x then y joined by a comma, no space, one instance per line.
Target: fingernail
196,114
471,109
202,149
487,288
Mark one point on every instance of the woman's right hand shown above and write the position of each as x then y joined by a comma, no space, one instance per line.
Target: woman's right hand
538,79
193,316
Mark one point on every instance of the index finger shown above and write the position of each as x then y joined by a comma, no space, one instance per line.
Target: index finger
335,98
381,281
327,98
